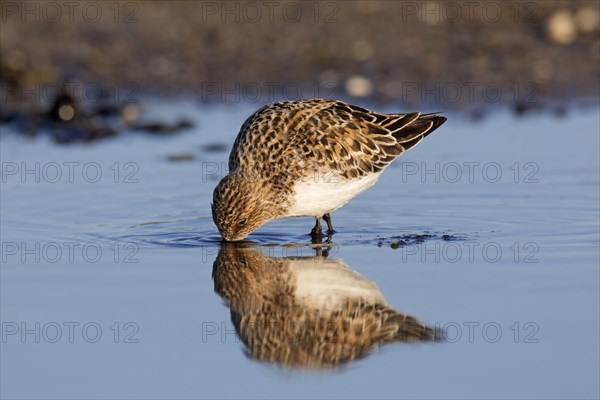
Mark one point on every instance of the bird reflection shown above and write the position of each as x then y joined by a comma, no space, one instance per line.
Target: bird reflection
307,312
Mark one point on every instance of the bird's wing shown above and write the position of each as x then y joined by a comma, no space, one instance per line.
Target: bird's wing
328,135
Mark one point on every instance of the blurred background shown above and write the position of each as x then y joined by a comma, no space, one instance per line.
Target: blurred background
434,54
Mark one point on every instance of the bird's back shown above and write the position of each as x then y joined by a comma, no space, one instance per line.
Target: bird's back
292,137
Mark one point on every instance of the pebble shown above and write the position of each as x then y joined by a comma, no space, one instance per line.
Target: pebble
359,86
561,27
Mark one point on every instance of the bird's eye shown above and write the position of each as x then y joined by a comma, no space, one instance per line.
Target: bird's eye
242,222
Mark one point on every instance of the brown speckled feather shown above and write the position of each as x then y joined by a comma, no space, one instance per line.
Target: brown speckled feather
326,134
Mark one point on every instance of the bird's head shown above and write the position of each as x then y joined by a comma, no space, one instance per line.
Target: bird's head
242,203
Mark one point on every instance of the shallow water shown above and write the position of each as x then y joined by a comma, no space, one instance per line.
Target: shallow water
488,231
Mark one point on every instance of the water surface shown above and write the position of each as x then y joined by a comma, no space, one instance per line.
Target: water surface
488,231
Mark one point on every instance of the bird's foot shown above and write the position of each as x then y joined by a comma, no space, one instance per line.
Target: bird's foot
330,230
316,232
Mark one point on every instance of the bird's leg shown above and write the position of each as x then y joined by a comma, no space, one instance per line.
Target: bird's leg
322,251
327,219
316,231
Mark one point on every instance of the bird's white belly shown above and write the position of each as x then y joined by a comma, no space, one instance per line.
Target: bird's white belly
316,197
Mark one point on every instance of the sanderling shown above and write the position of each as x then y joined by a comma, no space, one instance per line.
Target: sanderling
309,312
308,158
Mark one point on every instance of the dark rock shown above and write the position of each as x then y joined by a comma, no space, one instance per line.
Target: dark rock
215,147
163,128
181,157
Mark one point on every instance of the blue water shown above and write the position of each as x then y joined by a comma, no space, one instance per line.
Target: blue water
115,270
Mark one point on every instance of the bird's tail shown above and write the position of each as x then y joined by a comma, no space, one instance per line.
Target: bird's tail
411,128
